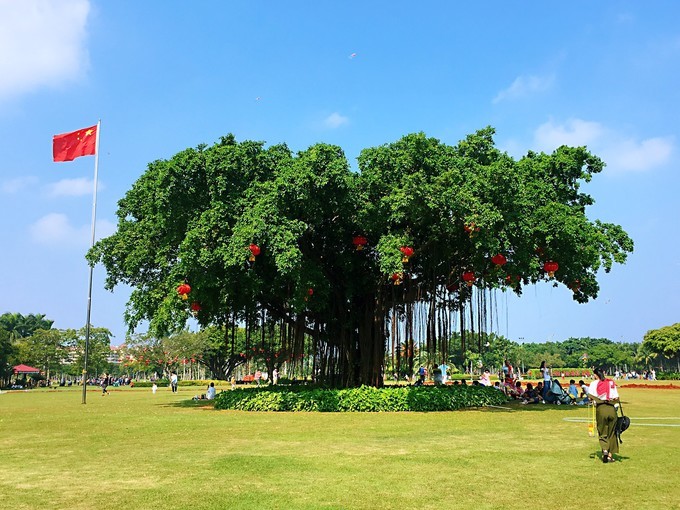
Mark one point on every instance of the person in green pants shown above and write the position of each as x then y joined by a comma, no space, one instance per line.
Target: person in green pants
604,395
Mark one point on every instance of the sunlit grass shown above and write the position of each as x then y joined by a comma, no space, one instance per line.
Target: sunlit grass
136,450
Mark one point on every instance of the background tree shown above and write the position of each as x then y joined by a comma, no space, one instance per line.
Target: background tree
665,341
44,349
645,356
219,349
20,326
98,352
431,217
6,352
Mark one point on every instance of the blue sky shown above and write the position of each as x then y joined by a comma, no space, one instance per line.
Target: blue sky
166,75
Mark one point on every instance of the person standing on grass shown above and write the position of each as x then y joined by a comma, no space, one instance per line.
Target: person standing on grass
603,393
444,367
173,382
545,372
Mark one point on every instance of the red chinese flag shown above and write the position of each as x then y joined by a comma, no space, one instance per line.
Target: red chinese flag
69,146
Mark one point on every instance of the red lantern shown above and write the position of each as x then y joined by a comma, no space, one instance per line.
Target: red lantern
183,290
510,279
310,291
575,286
452,287
499,260
359,242
407,252
254,251
469,278
397,278
551,267
471,228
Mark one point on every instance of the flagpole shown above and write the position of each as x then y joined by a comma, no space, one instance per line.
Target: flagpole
89,290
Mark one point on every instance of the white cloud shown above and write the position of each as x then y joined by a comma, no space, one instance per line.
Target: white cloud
55,229
15,185
73,187
643,155
41,43
335,120
524,86
574,132
619,152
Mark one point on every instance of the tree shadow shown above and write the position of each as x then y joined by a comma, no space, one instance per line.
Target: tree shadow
563,408
191,404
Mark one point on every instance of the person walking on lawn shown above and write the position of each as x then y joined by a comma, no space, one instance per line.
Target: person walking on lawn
603,393
104,384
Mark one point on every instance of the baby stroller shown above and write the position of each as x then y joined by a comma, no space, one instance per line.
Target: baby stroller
557,394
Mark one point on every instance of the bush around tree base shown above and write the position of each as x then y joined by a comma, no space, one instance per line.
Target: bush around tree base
362,399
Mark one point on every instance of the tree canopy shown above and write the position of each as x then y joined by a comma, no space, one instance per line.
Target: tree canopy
346,264
665,340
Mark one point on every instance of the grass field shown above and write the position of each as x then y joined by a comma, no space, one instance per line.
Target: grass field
133,450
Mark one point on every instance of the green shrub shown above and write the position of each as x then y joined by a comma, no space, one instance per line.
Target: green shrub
162,383
363,399
668,376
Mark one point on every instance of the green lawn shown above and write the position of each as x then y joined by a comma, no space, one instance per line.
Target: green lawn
133,450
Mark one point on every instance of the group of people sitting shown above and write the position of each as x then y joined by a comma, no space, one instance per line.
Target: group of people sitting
537,394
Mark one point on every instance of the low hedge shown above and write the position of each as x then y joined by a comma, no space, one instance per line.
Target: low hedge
668,376
162,383
363,399
148,384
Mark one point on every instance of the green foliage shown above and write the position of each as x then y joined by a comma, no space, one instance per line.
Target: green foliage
362,399
191,218
6,352
664,340
99,349
164,383
20,326
44,349
668,376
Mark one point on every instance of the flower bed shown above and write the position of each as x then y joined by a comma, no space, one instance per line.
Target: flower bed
535,373
652,386
363,399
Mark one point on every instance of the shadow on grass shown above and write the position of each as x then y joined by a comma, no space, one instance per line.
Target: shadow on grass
617,458
564,408
191,404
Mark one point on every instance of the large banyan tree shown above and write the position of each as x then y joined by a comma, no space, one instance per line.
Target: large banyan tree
339,266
